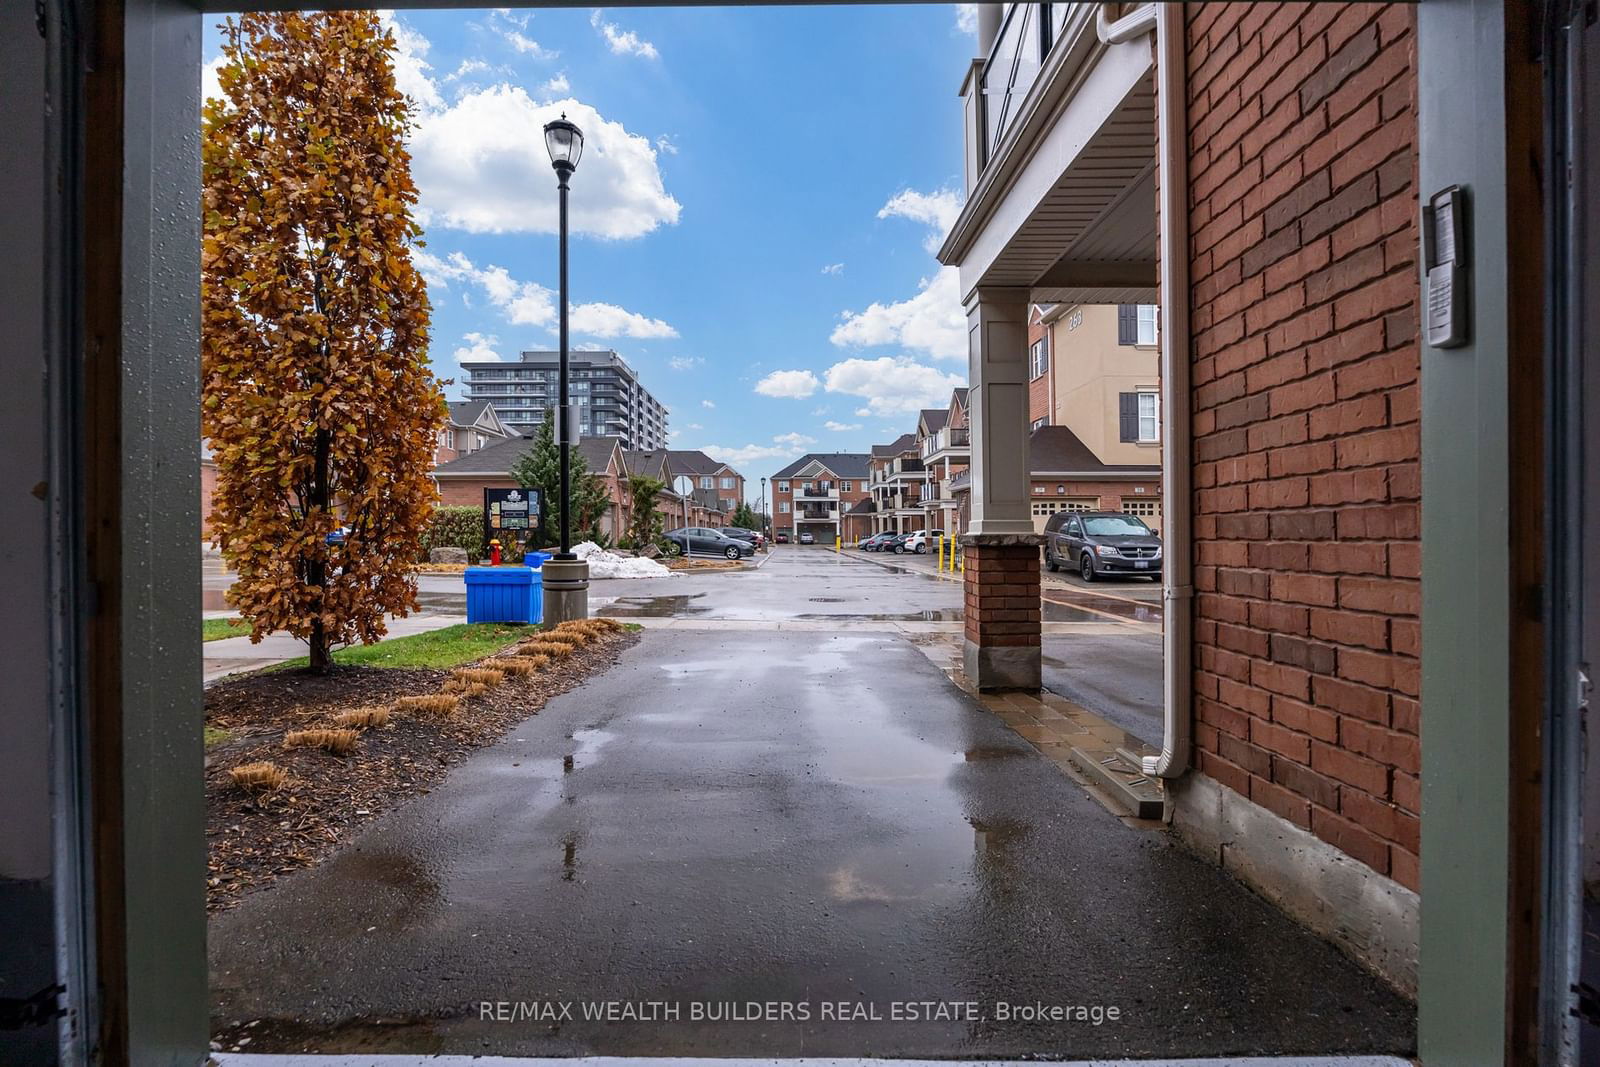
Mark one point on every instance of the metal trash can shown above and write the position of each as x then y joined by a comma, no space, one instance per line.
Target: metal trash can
504,594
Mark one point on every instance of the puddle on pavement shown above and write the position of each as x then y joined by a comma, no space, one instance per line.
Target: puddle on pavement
1098,607
402,886
569,856
590,741
991,839
654,607
1053,611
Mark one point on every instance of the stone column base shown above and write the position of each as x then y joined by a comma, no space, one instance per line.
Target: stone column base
565,590
1001,583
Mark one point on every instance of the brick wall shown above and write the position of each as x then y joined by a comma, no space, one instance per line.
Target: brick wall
1305,363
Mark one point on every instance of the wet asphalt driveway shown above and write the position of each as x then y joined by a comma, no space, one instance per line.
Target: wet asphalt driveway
752,820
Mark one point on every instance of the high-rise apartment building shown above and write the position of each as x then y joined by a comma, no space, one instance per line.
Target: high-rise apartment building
610,400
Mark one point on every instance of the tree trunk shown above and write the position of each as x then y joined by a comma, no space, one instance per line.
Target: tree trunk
317,572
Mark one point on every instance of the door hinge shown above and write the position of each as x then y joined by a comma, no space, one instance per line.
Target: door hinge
18,1013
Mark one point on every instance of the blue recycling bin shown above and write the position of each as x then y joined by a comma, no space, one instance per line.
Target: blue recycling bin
505,594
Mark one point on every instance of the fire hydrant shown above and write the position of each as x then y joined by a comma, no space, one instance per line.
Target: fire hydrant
494,552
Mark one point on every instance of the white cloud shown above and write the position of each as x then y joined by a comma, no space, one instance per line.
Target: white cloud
892,385
685,362
509,28
788,383
967,18
556,86
476,346
936,210
932,321
468,68
608,320
410,67
862,413
694,426
833,268
665,146
783,446
841,427
210,86
707,404
622,42
481,166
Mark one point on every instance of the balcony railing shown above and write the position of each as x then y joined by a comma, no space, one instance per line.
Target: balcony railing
815,492
817,515
1026,36
946,440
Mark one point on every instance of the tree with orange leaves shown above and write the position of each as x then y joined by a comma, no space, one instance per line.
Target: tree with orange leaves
317,399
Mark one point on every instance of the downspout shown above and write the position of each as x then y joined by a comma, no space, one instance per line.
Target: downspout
1177,573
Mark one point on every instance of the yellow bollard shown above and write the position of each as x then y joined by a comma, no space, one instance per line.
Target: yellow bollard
837,541
940,541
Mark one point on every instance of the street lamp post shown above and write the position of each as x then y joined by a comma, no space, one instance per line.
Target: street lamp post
566,577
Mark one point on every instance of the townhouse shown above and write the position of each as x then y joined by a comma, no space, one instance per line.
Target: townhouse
823,493
471,425
896,478
1250,170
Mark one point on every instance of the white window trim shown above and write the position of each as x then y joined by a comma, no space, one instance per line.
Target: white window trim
1148,331
1154,416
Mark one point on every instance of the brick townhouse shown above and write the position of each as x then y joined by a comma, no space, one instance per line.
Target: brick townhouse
1293,452
818,493
462,481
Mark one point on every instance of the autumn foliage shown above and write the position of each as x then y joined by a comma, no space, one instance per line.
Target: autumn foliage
318,403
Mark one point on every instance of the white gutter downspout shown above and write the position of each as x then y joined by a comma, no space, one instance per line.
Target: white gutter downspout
1177,574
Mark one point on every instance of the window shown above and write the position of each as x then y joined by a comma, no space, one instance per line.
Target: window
783,487
1038,490
1044,508
846,487
1136,324
1139,416
705,483
727,483
783,507
1145,509
1147,324
1039,357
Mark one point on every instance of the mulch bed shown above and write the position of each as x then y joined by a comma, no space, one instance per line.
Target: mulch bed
253,838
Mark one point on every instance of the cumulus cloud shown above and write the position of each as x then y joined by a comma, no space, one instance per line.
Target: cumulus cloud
608,320
707,404
556,86
932,321
622,42
788,383
936,210
480,165
685,362
967,18
476,346
210,85
410,64
892,385
841,427
665,146
531,304
833,268
783,446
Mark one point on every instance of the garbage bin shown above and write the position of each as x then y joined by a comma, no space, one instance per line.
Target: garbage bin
536,559
504,594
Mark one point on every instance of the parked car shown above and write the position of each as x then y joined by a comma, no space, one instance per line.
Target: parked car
895,543
753,536
704,541
780,538
1101,542
920,541
873,542
806,538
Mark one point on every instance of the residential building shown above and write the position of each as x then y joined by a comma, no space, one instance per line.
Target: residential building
716,484
820,493
462,481
1267,206
472,424
702,506
945,447
896,476
606,390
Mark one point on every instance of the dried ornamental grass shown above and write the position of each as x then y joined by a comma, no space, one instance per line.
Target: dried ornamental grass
478,676
443,705
474,689
515,666
338,742
537,661
552,649
362,718
566,637
258,777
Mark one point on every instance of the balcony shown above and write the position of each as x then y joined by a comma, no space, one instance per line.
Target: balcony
816,492
948,443
1026,36
817,515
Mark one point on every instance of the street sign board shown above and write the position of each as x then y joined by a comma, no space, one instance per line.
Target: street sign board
512,514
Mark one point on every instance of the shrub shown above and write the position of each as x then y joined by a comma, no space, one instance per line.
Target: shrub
478,675
362,718
455,527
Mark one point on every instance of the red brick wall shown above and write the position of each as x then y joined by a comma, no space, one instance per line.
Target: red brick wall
1305,363
1038,388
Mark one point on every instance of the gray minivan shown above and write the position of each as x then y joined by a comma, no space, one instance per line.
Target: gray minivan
1096,543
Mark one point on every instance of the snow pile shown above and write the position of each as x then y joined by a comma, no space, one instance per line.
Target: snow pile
603,564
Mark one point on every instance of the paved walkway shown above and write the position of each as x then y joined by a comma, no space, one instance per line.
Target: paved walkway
804,821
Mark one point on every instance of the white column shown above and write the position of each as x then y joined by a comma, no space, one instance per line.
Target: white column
997,410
